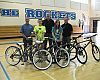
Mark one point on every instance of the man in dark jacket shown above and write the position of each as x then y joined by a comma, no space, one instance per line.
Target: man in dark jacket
67,31
48,23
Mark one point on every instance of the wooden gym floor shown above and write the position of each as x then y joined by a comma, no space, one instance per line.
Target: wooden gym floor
75,71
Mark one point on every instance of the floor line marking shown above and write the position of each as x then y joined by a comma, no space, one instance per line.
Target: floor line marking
4,71
74,74
48,75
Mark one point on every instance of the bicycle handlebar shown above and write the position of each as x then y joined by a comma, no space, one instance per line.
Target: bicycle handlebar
52,39
90,36
77,36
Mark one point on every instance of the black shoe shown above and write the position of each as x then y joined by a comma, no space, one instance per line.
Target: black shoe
53,62
25,59
31,59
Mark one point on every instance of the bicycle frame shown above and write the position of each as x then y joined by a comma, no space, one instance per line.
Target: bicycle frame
20,47
75,43
53,45
28,48
89,42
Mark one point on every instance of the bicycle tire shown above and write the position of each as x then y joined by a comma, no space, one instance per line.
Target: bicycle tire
80,52
40,57
71,51
13,55
62,58
96,54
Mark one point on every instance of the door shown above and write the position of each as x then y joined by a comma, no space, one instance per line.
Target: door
95,22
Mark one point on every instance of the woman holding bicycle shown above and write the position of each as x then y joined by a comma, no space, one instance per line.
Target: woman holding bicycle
57,32
59,52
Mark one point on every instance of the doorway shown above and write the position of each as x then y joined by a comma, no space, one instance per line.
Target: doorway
95,22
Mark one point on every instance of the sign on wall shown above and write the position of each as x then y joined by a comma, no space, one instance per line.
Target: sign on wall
39,13
10,12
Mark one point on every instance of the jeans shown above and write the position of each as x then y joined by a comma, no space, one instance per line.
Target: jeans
27,42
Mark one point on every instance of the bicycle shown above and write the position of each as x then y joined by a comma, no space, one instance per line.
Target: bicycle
72,47
15,54
60,55
81,50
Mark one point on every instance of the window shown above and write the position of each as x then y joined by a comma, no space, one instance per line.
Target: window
81,1
84,1
76,0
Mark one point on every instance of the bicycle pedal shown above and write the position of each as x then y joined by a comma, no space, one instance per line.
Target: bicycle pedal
83,56
22,64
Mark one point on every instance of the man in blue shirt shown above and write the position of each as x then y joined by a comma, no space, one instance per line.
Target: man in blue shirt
27,30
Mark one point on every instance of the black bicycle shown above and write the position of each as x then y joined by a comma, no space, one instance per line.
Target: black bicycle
72,47
59,54
41,58
82,58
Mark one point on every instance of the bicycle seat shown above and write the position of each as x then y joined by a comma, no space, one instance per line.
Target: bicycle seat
74,38
39,42
29,37
21,43
46,37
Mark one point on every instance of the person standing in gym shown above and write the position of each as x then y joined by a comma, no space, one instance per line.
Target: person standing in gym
27,31
57,32
67,31
48,23
40,30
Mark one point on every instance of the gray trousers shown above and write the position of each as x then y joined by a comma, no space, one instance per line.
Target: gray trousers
66,40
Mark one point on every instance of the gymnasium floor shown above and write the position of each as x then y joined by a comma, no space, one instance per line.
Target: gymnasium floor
75,71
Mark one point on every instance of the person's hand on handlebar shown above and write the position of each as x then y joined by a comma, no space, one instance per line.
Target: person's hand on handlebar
58,40
27,38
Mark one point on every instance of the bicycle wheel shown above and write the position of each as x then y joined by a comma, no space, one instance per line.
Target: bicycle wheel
81,55
62,57
96,52
42,59
72,51
13,55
